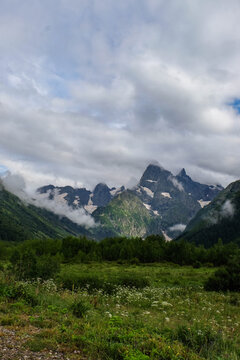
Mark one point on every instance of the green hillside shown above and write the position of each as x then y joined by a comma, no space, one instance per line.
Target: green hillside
20,221
125,215
218,220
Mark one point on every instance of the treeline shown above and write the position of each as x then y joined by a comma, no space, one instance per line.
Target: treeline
132,250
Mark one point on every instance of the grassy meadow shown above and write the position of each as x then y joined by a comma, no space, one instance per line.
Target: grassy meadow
119,311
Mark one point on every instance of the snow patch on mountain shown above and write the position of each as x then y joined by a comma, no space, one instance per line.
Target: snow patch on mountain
148,191
60,197
167,238
116,191
147,206
90,208
76,201
151,181
166,194
203,203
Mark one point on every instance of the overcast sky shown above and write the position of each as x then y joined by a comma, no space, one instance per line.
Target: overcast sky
93,91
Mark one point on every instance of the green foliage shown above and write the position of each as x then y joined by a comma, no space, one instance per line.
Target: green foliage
125,215
42,258
132,281
199,339
18,291
226,278
47,266
27,265
210,224
80,308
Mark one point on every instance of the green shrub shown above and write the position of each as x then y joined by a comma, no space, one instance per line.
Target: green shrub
7,320
80,308
38,344
75,281
197,265
234,300
27,293
136,355
199,339
134,261
47,266
26,265
224,279
133,281
22,291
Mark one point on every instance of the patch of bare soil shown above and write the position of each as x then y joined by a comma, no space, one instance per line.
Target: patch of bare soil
12,348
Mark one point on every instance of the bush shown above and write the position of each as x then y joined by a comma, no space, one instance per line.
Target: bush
200,339
80,308
21,291
26,265
197,265
133,281
134,261
74,281
47,266
224,279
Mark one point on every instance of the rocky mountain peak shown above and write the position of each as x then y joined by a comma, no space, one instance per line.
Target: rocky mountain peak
101,195
182,173
153,173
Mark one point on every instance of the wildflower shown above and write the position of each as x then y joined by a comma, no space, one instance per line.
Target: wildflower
109,314
165,303
146,312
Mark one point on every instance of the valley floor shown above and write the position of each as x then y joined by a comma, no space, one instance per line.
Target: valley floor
166,316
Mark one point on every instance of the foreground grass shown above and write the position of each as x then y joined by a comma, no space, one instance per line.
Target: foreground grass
170,318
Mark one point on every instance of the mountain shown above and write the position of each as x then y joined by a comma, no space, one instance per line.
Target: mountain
81,197
175,199
218,220
161,202
125,215
20,221
200,192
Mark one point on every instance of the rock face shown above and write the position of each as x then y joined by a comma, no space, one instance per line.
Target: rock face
197,190
175,199
218,220
170,202
101,195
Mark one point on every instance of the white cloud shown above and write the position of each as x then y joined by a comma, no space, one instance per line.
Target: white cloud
177,227
176,183
227,209
136,81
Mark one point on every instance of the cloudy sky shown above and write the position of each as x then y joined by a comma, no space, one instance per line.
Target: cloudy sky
94,90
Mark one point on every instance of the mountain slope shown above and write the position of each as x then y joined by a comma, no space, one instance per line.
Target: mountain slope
220,219
19,221
125,215
176,199
199,192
